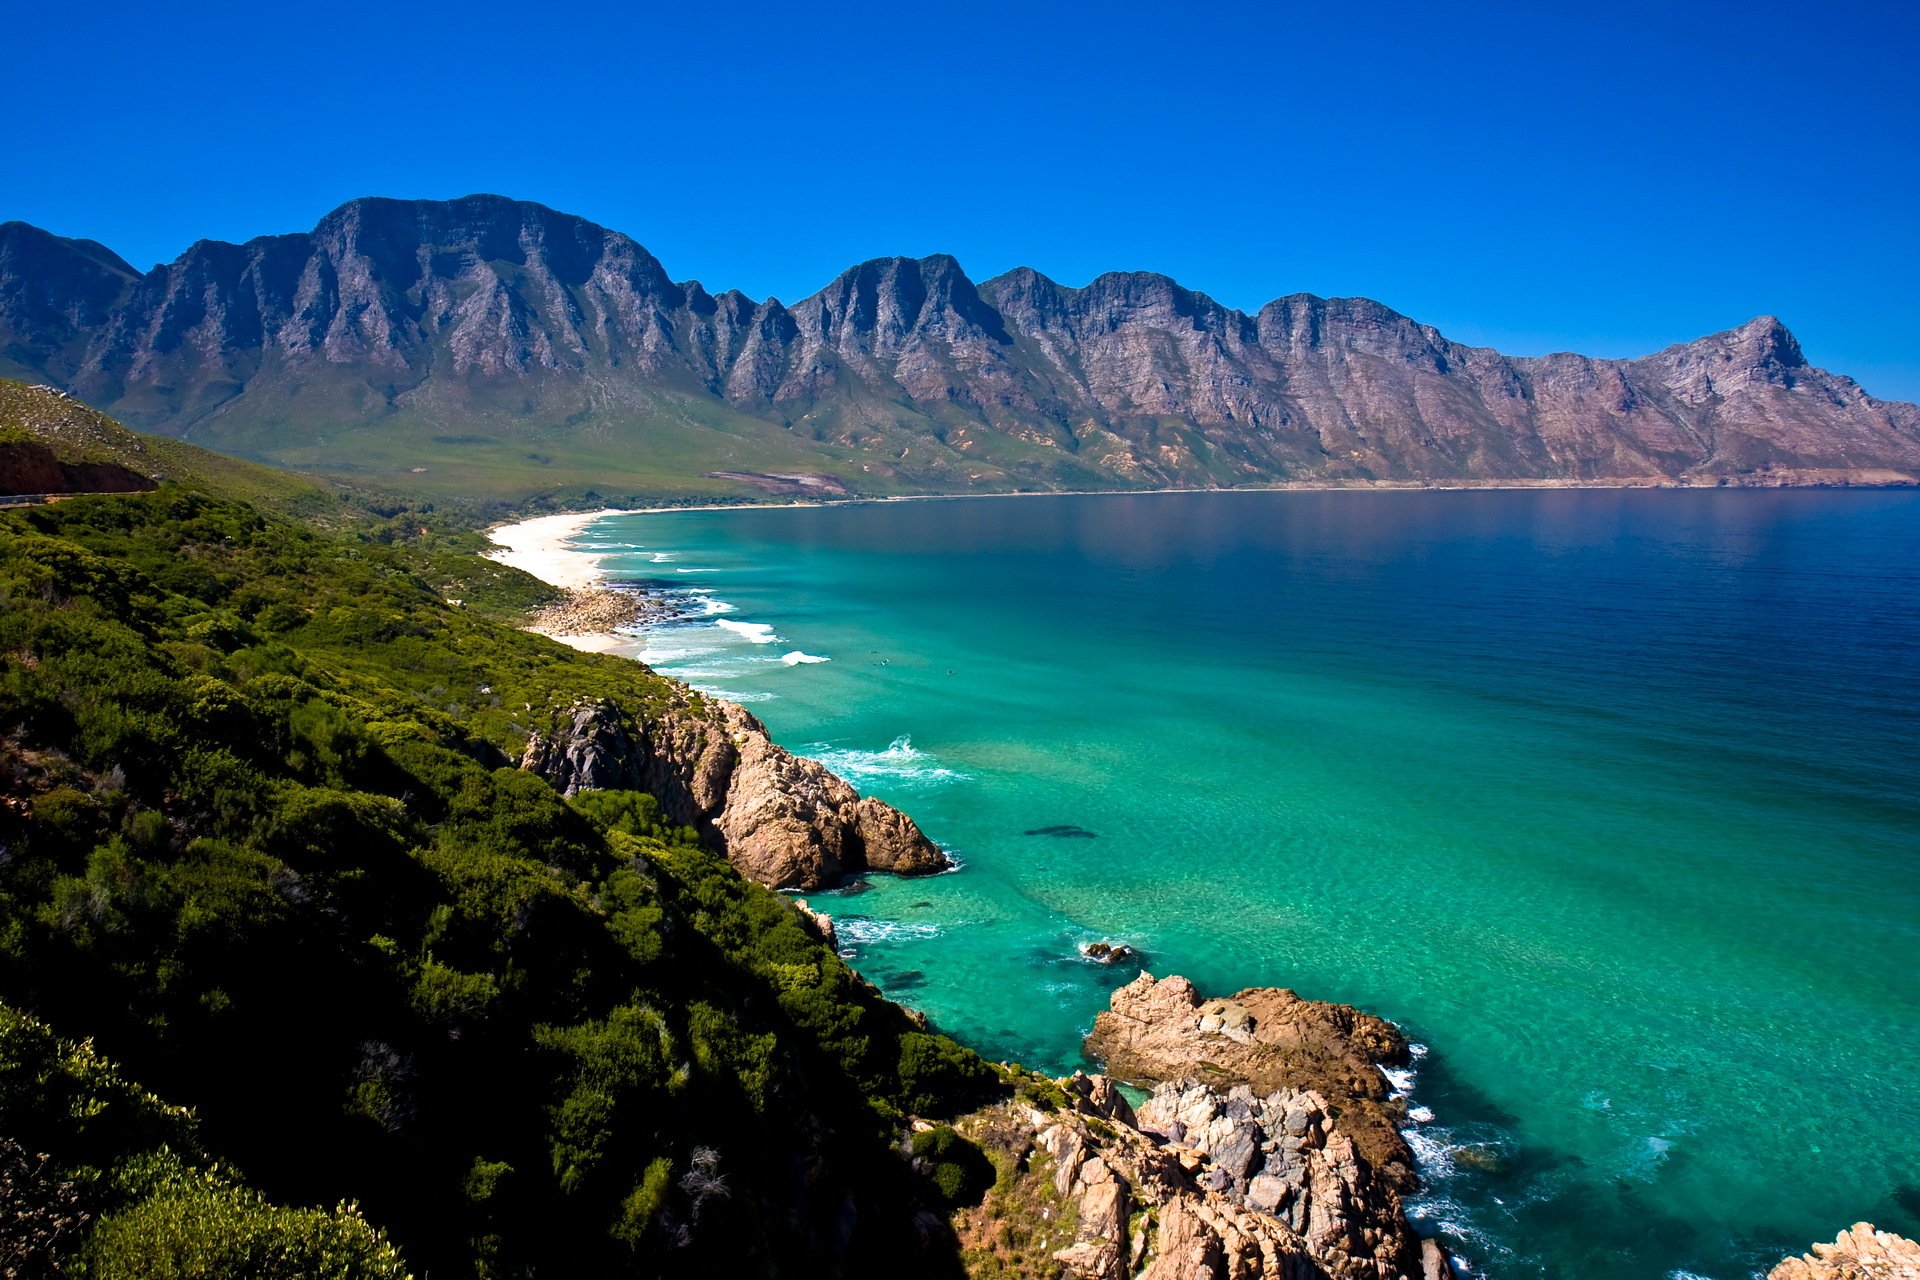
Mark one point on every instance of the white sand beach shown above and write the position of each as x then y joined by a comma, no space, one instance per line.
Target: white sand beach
540,546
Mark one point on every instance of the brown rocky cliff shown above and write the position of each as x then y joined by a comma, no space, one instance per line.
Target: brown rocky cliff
1266,1038
784,821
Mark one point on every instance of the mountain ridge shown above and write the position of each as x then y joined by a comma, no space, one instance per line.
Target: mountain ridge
503,337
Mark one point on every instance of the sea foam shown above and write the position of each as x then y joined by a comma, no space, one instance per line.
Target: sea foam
797,658
751,632
901,764
862,929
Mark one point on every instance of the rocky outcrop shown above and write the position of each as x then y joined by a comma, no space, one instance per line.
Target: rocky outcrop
598,610
1201,1182
1265,1038
784,821
1859,1253
492,319
819,923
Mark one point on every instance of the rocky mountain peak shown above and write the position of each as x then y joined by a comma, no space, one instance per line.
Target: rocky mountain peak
441,314
1763,340
890,300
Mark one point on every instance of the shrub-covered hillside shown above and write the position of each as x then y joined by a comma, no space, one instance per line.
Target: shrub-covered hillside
260,842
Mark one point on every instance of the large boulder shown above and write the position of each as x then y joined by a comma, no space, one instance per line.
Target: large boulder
783,820
1198,1182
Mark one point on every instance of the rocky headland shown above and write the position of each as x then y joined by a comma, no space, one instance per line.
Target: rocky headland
598,610
1239,1165
1265,1038
783,820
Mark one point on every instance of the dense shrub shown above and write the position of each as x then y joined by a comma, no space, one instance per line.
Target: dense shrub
959,1171
262,844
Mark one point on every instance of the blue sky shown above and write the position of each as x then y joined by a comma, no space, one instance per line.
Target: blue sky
1536,177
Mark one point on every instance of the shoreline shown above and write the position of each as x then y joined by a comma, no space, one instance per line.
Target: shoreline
539,545
568,523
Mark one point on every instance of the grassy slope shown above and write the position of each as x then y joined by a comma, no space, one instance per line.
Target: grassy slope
77,433
262,849
560,439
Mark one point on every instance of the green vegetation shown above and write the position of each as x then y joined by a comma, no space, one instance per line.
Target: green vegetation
542,440
75,433
261,845
958,1169
1011,1229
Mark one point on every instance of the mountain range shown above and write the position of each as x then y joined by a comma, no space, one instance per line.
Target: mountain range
494,345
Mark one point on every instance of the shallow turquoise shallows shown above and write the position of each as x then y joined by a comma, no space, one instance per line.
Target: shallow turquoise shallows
1610,798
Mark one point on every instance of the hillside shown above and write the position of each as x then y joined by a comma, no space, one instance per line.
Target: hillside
52,443
265,850
485,346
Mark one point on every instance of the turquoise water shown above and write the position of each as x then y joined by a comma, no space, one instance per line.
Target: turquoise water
1608,797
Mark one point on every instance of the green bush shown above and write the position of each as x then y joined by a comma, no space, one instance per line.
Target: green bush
195,1224
959,1172
939,1077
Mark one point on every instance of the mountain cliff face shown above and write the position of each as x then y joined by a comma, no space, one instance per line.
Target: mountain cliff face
475,321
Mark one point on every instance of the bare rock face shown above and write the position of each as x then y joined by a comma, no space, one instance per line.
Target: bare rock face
1267,1039
484,310
784,821
1859,1253
1200,1184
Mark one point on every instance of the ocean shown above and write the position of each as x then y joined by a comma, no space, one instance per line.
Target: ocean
1608,797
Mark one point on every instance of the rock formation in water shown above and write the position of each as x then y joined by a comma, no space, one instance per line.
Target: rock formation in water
483,320
1237,1166
599,610
1859,1253
1267,1038
784,821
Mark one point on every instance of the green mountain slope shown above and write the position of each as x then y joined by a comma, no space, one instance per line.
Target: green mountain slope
263,847
40,422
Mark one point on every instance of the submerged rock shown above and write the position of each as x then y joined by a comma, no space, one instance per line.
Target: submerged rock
783,820
1111,953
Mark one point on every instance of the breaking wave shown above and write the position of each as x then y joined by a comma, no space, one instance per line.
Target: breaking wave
751,632
901,764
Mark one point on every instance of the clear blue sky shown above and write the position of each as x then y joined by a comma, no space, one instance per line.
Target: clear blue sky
1603,178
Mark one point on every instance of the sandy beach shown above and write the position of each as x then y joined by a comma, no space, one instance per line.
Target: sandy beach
540,547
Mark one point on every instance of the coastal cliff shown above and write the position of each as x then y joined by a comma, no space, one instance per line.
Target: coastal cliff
784,821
